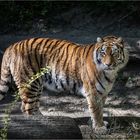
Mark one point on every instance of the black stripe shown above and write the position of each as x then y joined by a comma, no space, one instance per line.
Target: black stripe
50,78
66,56
62,85
20,44
34,86
46,77
67,79
37,53
77,55
25,65
30,55
74,51
37,81
49,45
56,86
65,64
123,55
97,54
26,71
98,91
61,50
34,40
107,79
99,82
67,68
45,44
85,58
70,60
5,75
15,48
98,61
56,77
72,57
56,51
42,53
59,58
32,95
84,50
31,102
53,46
54,55
48,51
24,47
33,89
74,87
2,82
88,51
57,70
77,62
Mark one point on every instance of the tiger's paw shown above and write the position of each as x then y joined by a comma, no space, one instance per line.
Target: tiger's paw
100,130
1,97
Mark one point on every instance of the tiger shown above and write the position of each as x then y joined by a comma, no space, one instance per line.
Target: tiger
89,70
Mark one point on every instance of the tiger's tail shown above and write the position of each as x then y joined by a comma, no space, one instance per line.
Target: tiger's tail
5,78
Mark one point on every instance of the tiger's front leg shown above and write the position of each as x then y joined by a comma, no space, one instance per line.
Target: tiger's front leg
30,100
95,105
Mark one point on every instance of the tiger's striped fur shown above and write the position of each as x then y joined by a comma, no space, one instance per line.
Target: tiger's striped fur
89,70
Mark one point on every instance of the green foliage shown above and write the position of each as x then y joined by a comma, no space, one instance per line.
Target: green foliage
6,118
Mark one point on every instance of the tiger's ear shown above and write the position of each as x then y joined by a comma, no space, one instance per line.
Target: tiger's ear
99,40
119,40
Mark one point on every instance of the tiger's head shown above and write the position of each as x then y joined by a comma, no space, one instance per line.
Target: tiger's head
110,53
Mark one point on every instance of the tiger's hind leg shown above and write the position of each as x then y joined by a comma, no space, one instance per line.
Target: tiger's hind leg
30,99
